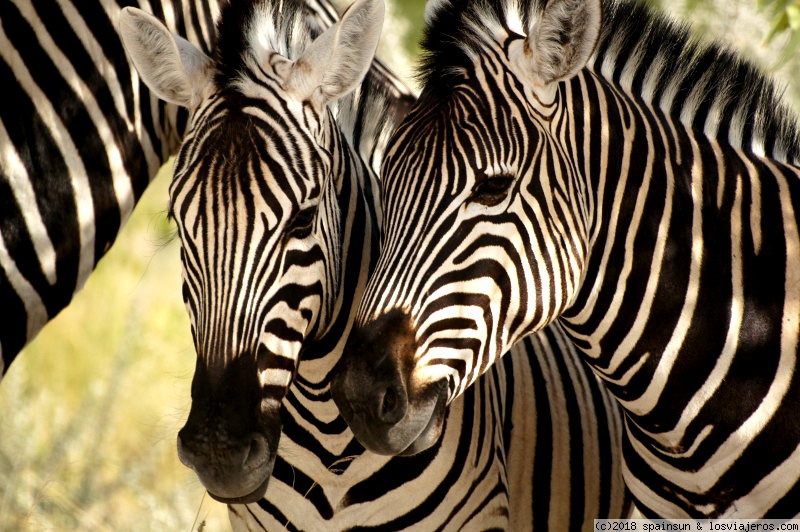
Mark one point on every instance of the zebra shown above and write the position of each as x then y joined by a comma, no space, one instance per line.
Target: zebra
80,143
591,163
278,219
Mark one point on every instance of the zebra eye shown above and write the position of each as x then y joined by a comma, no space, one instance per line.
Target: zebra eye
301,225
491,190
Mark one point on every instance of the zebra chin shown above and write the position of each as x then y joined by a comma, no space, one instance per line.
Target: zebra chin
377,395
242,479
233,470
419,428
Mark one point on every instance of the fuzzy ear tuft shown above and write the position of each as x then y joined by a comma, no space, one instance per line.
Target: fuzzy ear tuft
432,7
337,61
175,70
561,41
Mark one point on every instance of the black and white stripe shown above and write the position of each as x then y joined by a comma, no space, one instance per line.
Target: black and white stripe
81,139
597,165
279,221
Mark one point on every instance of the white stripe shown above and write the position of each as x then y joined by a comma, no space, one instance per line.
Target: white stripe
60,136
13,167
275,377
34,306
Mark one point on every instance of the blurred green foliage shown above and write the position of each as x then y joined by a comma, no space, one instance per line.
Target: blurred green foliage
785,18
412,10
90,410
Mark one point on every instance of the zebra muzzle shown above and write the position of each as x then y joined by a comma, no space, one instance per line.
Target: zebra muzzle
228,440
373,391
233,472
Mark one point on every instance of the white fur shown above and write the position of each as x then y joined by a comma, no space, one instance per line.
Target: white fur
174,69
337,61
547,60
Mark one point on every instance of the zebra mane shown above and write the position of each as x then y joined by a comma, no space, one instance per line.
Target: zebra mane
707,86
370,114
287,27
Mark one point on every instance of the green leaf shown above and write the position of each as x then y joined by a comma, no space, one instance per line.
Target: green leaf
789,51
779,23
793,14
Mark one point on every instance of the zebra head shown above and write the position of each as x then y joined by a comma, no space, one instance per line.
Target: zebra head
471,177
256,211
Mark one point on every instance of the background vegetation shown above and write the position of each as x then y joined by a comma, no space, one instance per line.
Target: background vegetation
90,410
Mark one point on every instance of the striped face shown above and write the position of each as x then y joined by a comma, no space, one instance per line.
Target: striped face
460,225
449,294
248,198
255,196
259,242
482,238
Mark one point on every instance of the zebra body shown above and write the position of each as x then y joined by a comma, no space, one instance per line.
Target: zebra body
593,164
495,465
279,221
81,141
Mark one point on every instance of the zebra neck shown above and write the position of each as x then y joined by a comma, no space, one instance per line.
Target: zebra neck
692,267
369,115
706,87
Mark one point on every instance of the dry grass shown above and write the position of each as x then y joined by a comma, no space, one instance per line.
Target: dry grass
90,410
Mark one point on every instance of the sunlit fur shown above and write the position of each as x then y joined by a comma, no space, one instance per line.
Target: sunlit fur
259,287
653,212
78,146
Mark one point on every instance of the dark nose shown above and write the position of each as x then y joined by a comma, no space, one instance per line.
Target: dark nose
227,440
369,385
393,401
372,389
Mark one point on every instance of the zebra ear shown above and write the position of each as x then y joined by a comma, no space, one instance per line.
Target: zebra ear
561,40
337,61
175,70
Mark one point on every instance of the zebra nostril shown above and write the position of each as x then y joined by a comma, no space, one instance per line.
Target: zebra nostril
257,453
389,402
392,405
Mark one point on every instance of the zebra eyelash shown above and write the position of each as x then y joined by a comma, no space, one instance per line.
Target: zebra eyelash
492,190
301,224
